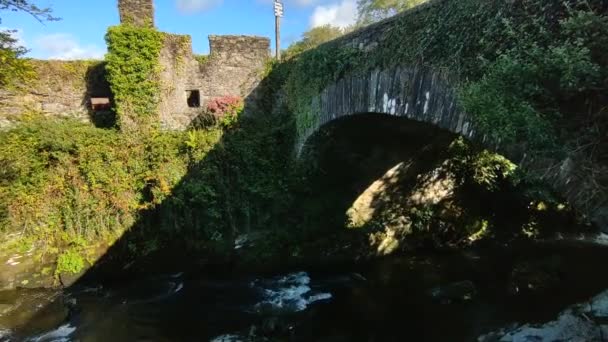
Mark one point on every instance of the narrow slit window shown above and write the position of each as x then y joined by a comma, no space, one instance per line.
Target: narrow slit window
194,98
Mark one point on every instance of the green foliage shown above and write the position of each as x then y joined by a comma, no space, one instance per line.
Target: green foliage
70,262
40,13
313,70
202,59
63,176
15,70
313,38
133,69
66,184
524,94
421,218
530,73
483,168
375,10
242,183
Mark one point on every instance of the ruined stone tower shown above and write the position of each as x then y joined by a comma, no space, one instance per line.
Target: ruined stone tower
137,12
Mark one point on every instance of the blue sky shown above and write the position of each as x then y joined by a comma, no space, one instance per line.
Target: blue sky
80,33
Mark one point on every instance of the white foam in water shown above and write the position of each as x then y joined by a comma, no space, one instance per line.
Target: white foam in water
60,334
291,292
580,322
602,239
227,338
318,297
5,334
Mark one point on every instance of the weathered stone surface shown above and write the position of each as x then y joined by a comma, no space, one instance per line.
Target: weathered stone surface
61,88
137,12
415,93
233,68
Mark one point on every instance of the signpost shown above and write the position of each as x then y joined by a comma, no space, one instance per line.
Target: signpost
278,13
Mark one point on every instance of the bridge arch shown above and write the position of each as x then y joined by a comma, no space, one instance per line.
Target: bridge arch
425,95
416,93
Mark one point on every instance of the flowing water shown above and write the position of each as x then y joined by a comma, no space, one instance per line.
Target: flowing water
434,297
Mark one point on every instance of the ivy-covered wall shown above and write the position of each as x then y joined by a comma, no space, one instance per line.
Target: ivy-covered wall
133,65
150,74
59,88
232,68
531,75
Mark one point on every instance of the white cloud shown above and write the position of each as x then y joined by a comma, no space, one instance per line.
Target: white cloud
342,14
65,46
194,6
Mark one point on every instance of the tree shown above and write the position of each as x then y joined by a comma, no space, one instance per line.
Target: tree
41,14
371,11
14,68
313,38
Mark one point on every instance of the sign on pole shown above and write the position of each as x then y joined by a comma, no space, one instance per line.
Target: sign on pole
278,13
278,8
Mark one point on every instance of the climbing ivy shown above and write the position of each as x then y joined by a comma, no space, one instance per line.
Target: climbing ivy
133,69
312,72
516,64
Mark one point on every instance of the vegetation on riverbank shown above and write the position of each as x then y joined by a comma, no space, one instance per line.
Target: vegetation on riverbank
67,188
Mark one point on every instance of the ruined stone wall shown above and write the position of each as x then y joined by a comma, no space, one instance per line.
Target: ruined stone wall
64,88
235,61
178,75
60,88
233,67
136,12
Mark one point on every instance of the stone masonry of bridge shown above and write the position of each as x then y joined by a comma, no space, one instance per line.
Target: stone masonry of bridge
425,95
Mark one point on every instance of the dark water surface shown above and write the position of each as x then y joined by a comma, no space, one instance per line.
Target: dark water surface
434,297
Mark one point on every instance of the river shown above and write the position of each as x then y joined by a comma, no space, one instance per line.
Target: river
449,296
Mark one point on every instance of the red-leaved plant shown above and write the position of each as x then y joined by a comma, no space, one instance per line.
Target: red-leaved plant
226,109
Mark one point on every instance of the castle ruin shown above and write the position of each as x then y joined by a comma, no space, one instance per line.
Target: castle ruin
65,88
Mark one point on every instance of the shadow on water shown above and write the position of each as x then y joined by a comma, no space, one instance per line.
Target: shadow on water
187,289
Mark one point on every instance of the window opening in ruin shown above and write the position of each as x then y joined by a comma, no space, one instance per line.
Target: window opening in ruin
194,98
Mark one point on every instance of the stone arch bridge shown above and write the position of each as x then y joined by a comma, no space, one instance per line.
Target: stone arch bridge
425,95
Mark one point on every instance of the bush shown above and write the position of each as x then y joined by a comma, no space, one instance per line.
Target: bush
69,262
61,176
220,111
66,184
